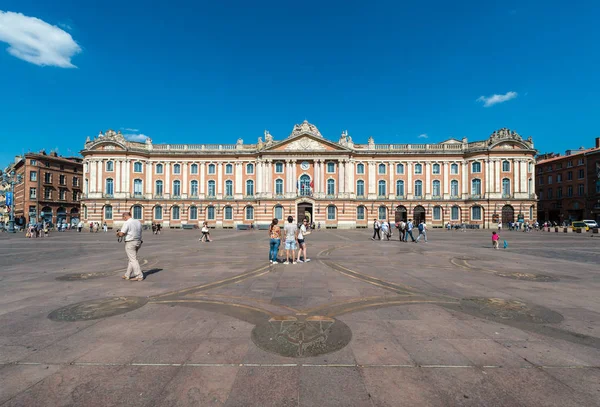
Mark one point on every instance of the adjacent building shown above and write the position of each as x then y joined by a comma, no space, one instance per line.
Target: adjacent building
51,188
568,186
339,184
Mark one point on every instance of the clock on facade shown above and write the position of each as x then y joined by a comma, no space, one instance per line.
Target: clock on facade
305,165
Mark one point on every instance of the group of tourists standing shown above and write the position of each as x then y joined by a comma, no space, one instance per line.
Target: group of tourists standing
405,230
294,239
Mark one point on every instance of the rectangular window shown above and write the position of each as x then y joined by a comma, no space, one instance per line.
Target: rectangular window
360,213
75,196
47,178
476,213
331,212
75,181
32,193
194,169
108,214
360,188
454,169
330,168
581,189
62,179
569,191
33,176
212,169
437,213
580,161
541,194
279,168
549,193
581,174
569,164
549,179
175,211
63,194
33,162
570,176
228,213
249,213
559,192
558,177
47,193
229,169
455,213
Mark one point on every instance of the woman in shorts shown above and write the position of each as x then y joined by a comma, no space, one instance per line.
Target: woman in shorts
304,230
275,240
205,233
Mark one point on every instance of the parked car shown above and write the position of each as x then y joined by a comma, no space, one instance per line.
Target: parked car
580,225
592,224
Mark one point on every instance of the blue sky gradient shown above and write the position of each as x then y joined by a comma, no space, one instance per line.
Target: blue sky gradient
216,71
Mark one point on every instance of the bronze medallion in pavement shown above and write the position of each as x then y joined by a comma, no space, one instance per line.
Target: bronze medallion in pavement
96,309
501,309
301,336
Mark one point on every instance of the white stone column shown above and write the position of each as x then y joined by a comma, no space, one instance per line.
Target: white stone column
427,180
148,186
391,186
185,169
372,184
167,178
515,169
351,171
498,184
294,177
118,185
239,184
523,176
488,177
220,179
202,177
316,175
92,183
341,176
100,178
409,183
465,186
446,186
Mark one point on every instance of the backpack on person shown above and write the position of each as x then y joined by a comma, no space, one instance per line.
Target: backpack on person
420,228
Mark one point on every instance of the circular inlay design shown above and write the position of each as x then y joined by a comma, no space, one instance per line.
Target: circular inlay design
301,336
500,309
98,308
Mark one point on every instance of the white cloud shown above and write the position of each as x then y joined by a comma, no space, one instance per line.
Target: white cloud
424,135
34,40
495,99
140,138
131,130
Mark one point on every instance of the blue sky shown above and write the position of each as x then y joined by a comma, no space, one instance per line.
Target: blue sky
211,72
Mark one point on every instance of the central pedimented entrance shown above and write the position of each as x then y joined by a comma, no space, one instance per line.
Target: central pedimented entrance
304,210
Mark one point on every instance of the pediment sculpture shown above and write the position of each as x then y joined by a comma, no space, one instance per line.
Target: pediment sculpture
305,143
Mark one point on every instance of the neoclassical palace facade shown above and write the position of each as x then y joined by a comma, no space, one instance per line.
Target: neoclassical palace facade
339,185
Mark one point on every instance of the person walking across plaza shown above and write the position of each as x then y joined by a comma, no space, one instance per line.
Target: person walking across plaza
385,229
79,226
495,239
205,233
422,231
105,227
291,237
409,229
132,231
304,230
275,240
376,228
401,230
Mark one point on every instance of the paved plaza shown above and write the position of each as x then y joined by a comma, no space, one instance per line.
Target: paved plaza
365,323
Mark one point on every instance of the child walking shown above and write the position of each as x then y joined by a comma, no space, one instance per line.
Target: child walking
495,238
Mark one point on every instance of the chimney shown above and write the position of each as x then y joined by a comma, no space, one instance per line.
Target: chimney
597,142
568,152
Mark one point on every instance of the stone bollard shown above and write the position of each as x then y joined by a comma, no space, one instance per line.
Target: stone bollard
565,230
556,229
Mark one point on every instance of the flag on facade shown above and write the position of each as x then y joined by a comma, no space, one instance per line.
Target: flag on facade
312,184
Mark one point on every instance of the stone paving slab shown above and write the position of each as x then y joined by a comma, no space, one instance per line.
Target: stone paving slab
450,322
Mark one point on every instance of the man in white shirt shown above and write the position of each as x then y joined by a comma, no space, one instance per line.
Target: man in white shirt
132,230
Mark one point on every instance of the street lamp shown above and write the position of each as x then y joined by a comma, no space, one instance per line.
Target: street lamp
11,179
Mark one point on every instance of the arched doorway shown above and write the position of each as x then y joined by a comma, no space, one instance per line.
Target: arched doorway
46,214
305,210
400,214
418,214
304,186
74,216
508,214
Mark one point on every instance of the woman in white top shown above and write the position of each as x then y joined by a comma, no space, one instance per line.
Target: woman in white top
205,233
301,242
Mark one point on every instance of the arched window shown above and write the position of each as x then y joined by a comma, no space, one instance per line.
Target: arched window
177,169
360,168
193,212
435,169
454,169
249,168
505,166
110,166
229,188
211,188
381,169
436,188
400,169
476,213
137,212
382,212
331,212
212,169
110,187
505,187
137,166
437,213
158,212
304,185
476,167
137,187
194,169
418,188
108,212
279,212
279,168
278,187
159,168
229,169
249,213
249,188
454,188
381,188
175,213
194,188
360,213
228,213
399,188
476,186
158,188
210,212
531,213
455,213
176,188
360,188
330,187
418,169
